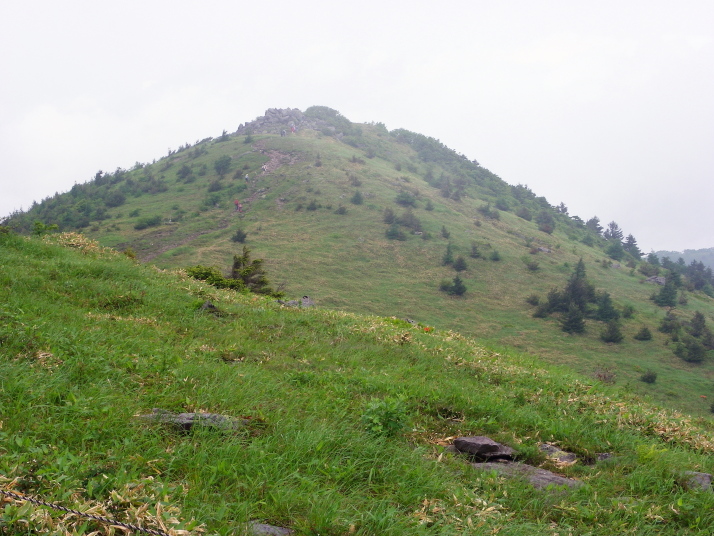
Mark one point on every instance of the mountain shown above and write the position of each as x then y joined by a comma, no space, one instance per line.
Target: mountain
305,418
394,223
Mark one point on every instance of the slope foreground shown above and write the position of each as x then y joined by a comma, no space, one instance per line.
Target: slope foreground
345,418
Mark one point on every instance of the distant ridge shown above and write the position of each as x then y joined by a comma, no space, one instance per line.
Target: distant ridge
705,256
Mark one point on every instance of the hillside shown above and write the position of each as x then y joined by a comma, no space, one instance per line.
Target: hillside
344,419
364,220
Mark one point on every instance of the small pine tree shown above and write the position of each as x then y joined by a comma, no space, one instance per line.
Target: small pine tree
495,256
667,296
429,205
395,233
389,217
605,309
644,334
251,273
458,288
445,232
448,256
475,253
574,320
612,332
460,264
357,198
239,236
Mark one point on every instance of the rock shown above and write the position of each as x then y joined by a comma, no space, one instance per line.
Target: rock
544,250
261,529
538,478
560,457
208,307
657,280
186,421
695,480
483,448
603,456
305,301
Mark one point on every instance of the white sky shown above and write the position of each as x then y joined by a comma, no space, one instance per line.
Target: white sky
607,106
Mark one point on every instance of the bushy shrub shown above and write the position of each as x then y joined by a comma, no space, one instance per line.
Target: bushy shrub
533,299
357,198
387,417
395,233
612,332
644,334
405,199
147,221
524,213
239,236
649,377
532,264
341,210
454,288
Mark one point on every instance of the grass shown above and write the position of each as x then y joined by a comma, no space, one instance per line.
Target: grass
90,340
345,262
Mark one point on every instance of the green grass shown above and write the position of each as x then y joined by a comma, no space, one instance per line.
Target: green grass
345,262
90,339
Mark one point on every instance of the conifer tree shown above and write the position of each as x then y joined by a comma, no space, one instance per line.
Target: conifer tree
574,320
630,246
612,332
250,272
458,288
605,309
460,264
594,225
613,232
448,256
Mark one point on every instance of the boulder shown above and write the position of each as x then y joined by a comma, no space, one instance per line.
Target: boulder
483,448
186,421
538,478
560,457
695,480
261,529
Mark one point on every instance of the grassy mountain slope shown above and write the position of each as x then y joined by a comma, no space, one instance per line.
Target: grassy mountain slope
291,204
90,339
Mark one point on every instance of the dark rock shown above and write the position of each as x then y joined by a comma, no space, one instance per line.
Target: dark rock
695,480
261,529
538,478
483,448
208,307
186,421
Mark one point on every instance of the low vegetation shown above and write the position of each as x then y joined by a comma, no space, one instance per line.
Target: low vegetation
346,416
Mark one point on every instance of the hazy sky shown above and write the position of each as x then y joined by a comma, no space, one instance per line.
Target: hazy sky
607,106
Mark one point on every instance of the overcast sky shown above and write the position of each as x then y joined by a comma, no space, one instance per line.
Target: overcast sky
606,106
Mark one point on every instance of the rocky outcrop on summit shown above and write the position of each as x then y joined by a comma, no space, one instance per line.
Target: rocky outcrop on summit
275,121
281,121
